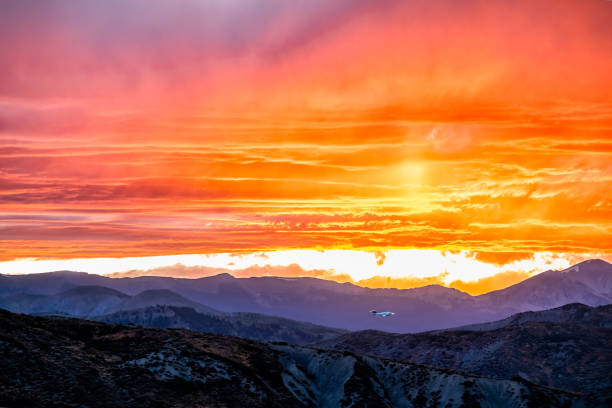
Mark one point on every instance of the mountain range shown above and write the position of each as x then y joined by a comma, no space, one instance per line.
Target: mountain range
90,301
166,309
329,303
486,353
566,347
60,362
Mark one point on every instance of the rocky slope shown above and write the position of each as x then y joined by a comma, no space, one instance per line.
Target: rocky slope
569,348
59,362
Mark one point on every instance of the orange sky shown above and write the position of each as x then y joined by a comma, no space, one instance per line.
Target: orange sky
149,128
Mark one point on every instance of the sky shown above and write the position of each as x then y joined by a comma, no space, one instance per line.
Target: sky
394,143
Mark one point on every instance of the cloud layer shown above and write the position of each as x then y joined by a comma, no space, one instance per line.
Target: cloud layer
151,127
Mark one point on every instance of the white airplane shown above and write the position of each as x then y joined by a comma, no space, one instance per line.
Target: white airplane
381,314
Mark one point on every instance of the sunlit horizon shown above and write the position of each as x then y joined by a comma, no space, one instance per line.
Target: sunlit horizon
402,269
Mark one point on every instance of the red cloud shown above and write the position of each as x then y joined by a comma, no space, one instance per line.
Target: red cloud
149,128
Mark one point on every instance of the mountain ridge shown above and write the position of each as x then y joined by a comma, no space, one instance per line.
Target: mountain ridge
570,313
347,306
246,325
165,309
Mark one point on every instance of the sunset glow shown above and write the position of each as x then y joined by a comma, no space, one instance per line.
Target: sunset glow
422,141
404,269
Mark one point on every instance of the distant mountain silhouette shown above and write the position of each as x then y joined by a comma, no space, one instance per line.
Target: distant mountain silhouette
346,305
568,347
69,362
154,297
78,301
87,301
589,283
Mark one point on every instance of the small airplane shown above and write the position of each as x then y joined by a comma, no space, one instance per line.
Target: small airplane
381,314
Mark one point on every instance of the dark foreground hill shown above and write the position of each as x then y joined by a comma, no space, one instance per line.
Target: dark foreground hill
59,362
569,347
